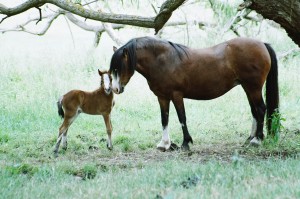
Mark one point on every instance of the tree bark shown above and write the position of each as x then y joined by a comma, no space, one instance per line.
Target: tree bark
284,12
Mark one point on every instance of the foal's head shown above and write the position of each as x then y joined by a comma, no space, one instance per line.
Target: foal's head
105,81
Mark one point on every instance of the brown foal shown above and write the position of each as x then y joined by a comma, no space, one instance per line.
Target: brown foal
98,102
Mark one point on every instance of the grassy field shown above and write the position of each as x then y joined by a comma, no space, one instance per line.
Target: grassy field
35,71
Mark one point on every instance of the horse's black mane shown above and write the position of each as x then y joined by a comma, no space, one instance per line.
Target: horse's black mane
180,49
143,42
116,60
149,42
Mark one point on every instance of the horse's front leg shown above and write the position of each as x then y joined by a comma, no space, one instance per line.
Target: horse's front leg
165,142
179,106
108,130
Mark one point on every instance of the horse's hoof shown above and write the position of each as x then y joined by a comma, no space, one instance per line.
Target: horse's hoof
247,142
255,142
174,147
185,147
163,149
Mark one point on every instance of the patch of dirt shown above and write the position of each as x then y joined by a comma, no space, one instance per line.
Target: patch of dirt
197,154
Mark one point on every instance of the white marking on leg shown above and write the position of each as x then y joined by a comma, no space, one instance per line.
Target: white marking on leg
64,141
165,142
254,128
182,125
109,143
255,141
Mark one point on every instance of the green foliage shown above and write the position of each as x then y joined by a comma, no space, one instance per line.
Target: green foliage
4,138
276,125
21,169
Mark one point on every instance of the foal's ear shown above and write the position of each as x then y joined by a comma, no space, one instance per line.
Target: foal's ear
125,52
100,72
115,48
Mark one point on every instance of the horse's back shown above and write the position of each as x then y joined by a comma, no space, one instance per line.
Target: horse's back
249,58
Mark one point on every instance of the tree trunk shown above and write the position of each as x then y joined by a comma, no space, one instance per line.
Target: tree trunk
284,12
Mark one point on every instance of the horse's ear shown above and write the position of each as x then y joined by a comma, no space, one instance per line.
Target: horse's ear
100,73
115,48
125,52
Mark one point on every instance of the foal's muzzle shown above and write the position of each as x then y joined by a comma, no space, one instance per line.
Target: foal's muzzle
107,91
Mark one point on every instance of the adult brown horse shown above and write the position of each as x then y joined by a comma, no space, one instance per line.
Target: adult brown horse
174,72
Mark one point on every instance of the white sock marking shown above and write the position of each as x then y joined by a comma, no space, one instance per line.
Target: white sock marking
254,128
165,140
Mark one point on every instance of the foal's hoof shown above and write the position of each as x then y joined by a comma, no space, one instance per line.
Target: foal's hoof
55,154
109,147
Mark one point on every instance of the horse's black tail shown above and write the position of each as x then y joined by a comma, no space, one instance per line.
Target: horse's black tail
272,91
60,109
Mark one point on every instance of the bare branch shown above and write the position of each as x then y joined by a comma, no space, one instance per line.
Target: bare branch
156,22
112,34
289,52
22,28
40,12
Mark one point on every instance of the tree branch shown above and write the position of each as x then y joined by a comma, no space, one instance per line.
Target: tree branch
289,52
156,22
284,12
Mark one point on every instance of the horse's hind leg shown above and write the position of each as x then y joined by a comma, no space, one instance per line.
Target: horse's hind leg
179,106
108,130
258,110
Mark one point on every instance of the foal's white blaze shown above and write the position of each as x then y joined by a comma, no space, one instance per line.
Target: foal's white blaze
165,142
106,81
254,127
116,83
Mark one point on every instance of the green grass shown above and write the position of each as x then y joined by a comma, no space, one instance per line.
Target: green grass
167,179
33,78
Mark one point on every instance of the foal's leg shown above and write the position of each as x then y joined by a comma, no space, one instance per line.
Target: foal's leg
108,130
165,142
62,134
179,106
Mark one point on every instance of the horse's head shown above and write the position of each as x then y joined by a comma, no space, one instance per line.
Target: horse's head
122,66
105,81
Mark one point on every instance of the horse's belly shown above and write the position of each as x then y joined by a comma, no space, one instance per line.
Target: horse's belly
208,92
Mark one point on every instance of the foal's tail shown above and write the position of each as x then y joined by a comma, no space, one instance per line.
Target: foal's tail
272,91
59,106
